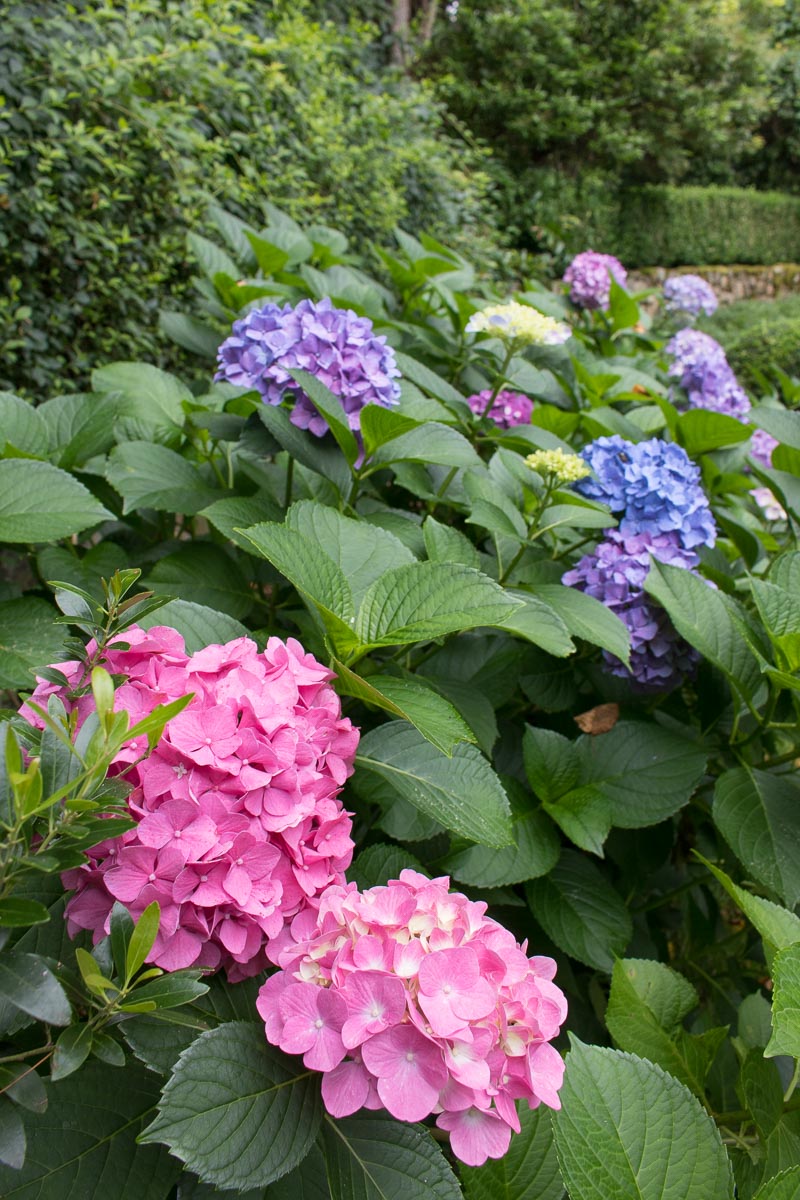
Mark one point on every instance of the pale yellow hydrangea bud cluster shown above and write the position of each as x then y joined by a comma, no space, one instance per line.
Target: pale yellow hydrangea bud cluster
520,323
566,468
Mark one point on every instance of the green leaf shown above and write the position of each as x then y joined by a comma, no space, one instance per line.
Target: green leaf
307,449
785,1004
84,1146
13,1143
645,1007
445,544
379,425
237,1112
190,333
107,1049
580,911
535,851
237,512
586,618
202,573
761,1090
622,308
270,258
629,1131
782,425
363,552
539,623
527,1171
785,1186
72,1050
330,407
198,626
777,925
170,990
703,618
700,430
379,863
370,1156
432,383
18,913
41,503
141,940
151,476
79,426
434,717
22,426
27,983
24,1086
421,601
462,793
428,443
146,392
318,579
756,812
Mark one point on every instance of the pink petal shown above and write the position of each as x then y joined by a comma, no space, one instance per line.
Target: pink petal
475,1135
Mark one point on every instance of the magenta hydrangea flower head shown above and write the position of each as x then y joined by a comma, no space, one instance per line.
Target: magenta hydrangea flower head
334,344
653,485
239,827
508,409
430,1007
690,294
589,276
614,573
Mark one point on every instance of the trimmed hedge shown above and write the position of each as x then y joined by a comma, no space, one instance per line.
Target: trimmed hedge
667,226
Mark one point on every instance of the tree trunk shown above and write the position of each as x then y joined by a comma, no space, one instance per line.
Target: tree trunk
401,23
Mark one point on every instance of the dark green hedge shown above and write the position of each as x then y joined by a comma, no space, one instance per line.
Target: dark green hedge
764,346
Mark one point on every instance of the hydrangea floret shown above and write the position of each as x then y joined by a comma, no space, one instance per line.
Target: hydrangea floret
507,409
335,345
589,277
654,485
520,324
561,466
690,294
761,446
408,997
238,825
614,573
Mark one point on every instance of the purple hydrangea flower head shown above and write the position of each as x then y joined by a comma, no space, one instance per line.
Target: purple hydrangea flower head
653,484
334,344
614,573
690,294
761,446
589,276
509,408
704,373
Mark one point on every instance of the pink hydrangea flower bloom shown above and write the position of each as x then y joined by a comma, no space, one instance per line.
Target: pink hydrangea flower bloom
443,1013
239,826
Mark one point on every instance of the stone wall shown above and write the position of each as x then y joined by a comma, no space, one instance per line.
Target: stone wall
730,283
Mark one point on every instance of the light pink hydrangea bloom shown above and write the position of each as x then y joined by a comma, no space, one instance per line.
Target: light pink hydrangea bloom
421,1004
239,825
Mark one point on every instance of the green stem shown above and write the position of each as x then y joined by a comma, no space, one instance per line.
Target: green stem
287,492
501,378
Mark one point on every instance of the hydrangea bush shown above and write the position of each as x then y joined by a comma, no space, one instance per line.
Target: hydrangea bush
398,788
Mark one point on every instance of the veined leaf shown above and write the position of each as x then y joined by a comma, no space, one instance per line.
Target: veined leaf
756,813
42,503
370,1156
577,907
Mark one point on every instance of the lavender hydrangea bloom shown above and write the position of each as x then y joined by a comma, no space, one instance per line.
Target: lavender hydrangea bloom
690,294
509,408
761,446
614,574
653,484
338,347
589,278
704,373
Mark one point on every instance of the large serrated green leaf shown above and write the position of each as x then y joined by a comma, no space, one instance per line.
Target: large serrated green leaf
84,1146
577,907
235,513
785,1004
42,503
535,851
330,407
704,619
421,601
435,718
777,925
363,552
28,639
529,1169
700,430
539,623
199,626
586,618
373,1157
152,476
785,1186
22,427
428,443
756,812
462,793
235,1110
79,426
629,1131
145,392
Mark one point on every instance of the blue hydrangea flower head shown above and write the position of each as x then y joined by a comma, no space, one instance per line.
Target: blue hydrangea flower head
334,344
705,374
614,573
653,485
690,294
